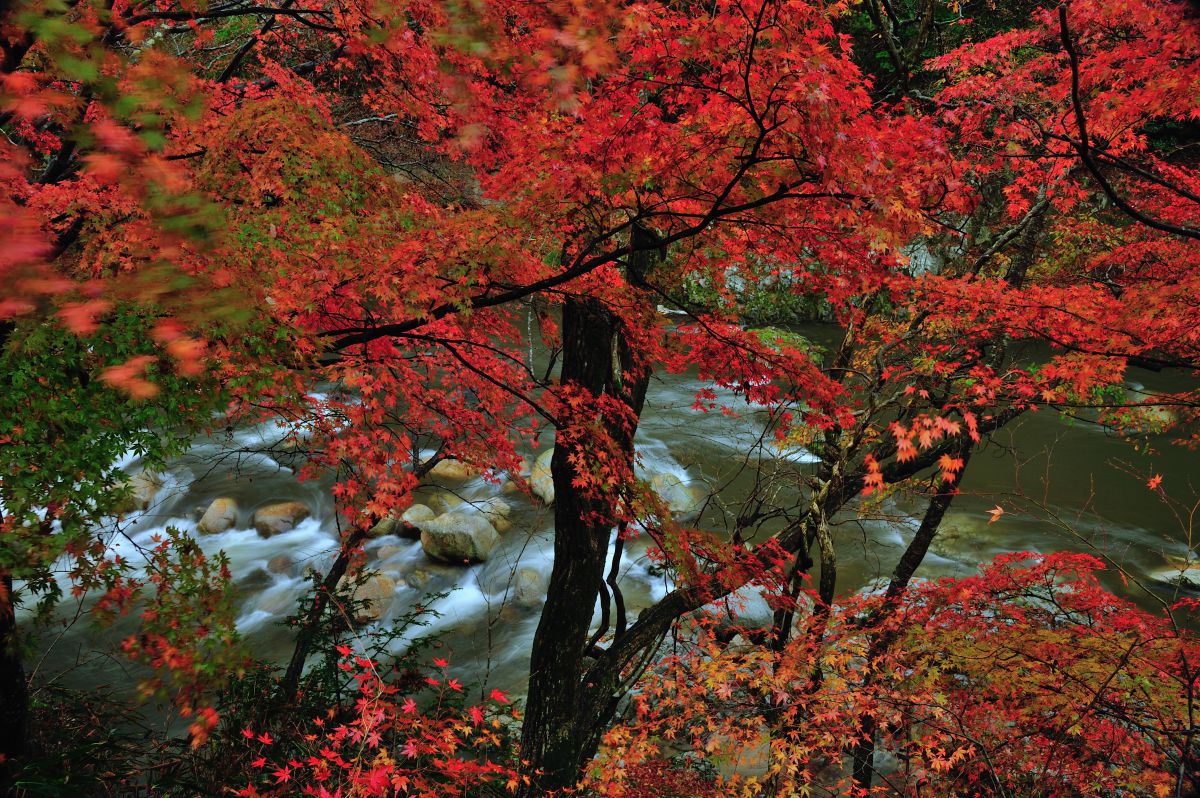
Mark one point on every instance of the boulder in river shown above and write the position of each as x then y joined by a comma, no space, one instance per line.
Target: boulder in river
540,478
143,487
442,501
417,578
683,498
497,511
459,537
280,517
386,526
452,470
529,587
254,582
417,514
413,517
377,591
282,564
748,608
220,516
387,552
405,525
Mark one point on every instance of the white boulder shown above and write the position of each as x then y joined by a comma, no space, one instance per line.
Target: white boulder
459,537
220,516
279,517
683,498
529,587
540,478
452,470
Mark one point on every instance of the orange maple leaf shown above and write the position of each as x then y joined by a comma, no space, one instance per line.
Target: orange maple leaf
995,514
128,377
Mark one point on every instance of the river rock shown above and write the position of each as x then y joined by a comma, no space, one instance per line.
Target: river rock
389,525
452,470
683,498
745,607
459,537
417,578
253,582
529,587
497,511
377,591
442,502
220,516
387,552
143,487
741,644
282,564
280,517
955,540
1181,572
406,525
418,514
540,478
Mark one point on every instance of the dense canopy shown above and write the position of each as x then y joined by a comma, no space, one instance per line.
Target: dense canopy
348,215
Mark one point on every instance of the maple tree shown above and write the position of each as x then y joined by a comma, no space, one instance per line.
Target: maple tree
388,743
372,195
1028,678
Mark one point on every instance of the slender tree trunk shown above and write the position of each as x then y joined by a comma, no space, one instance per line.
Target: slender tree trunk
289,685
914,554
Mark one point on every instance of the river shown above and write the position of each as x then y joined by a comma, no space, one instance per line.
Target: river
1064,484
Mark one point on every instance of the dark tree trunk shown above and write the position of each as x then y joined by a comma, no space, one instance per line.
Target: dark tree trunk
568,708
14,691
559,731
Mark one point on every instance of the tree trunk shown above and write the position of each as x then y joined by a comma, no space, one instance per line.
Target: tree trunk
14,691
864,752
559,732
289,685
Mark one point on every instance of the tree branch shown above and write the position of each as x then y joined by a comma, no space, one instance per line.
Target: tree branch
1086,154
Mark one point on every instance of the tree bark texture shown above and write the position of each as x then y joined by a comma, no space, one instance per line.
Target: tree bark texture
559,732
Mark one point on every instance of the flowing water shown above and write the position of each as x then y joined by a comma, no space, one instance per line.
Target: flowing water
1064,485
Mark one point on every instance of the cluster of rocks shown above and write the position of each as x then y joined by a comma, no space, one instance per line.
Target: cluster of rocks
452,532
449,529
455,532
268,520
